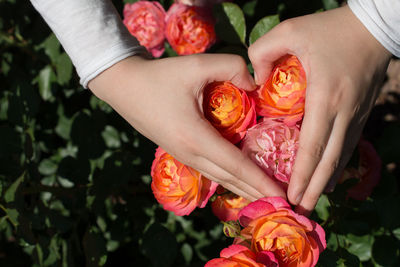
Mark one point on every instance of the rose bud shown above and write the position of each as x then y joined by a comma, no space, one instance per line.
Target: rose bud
177,187
368,172
283,94
271,225
231,228
189,29
273,145
237,255
146,21
229,110
227,205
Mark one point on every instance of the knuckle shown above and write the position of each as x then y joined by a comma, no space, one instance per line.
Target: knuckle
287,26
253,52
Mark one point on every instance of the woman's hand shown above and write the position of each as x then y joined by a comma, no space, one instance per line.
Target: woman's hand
162,99
344,65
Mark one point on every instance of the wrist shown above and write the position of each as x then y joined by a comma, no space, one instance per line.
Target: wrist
366,39
114,79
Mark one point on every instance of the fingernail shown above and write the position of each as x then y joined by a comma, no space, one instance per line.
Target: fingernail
298,198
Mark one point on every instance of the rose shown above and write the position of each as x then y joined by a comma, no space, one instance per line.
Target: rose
270,225
241,256
229,110
227,206
273,146
177,187
189,29
368,172
146,21
283,94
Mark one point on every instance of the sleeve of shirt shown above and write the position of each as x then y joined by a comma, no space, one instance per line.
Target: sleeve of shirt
382,19
91,33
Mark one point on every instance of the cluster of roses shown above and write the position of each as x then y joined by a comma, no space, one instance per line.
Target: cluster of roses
188,29
265,124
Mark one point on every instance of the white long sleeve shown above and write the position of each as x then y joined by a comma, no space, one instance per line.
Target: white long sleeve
91,33
382,19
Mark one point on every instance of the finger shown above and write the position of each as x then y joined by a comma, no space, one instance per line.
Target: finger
351,141
330,166
314,135
219,175
226,67
266,50
229,158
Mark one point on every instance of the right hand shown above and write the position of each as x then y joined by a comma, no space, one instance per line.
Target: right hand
162,99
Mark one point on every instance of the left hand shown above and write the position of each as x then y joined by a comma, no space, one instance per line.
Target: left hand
344,65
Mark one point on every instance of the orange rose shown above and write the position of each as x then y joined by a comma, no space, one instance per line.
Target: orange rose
283,95
189,29
229,110
177,187
240,256
271,225
227,206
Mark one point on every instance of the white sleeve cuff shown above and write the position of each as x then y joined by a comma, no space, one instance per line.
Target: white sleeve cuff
91,33
382,19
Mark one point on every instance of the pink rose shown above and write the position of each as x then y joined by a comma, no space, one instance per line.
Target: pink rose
237,255
273,146
368,172
189,29
271,225
146,21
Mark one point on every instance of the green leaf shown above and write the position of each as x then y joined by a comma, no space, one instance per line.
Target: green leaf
361,246
330,4
263,26
9,195
45,78
159,245
396,233
230,25
64,69
47,167
322,208
51,47
187,252
111,137
249,8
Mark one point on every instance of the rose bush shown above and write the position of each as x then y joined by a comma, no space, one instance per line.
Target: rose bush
229,110
273,146
271,225
177,187
241,256
283,94
189,29
146,21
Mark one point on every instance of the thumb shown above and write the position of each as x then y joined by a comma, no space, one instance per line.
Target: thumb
266,50
227,67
